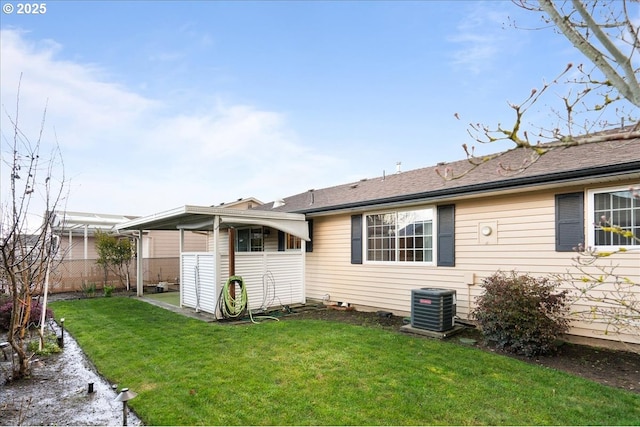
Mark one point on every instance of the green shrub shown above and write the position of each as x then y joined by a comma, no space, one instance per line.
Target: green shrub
108,290
522,314
50,346
88,290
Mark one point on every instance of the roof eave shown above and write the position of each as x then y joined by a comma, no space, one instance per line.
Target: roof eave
189,214
487,187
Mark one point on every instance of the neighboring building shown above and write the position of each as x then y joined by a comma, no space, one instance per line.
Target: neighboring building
241,204
76,256
373,241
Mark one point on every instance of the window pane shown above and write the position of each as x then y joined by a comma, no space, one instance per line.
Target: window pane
428,255
381,237
618,209
242,240
429,243
621,200
601,202
293,242
601,238
417,226
256,239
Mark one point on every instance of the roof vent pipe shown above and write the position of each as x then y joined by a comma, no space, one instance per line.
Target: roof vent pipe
398,164
313,199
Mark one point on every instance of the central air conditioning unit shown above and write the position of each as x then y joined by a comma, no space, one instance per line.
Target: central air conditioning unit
433,309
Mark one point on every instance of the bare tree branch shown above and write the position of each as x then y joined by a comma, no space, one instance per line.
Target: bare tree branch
628,84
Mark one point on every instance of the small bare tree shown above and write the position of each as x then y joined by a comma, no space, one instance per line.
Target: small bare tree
27,246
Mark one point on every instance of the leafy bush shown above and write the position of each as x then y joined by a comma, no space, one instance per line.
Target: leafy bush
522,314
50,346
88,290
108,290
34,315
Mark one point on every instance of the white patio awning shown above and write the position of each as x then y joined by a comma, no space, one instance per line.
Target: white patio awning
202,218
297,228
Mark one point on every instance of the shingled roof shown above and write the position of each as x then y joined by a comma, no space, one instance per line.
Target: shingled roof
620,156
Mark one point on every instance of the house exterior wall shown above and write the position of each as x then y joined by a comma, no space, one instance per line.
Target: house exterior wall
523,240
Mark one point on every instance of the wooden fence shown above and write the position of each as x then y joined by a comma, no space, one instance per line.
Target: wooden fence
77,275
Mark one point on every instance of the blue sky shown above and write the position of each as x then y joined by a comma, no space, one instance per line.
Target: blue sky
157,104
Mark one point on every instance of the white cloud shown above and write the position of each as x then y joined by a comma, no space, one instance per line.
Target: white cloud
480,38
79,98
130,154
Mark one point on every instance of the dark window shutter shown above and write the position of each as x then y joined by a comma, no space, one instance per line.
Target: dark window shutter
280,240
446,236
356,239
309,245
569,221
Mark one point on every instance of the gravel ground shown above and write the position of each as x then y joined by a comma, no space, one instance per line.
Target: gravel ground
58,393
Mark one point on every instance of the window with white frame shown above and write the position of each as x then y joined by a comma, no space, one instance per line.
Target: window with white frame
614,215
249,239
292,242
401,236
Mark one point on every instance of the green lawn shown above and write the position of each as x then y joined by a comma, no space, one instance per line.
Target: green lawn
312,372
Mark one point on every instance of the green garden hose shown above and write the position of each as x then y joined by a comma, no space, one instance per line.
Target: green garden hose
235,307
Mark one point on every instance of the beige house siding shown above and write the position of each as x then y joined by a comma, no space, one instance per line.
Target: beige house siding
158,244
75,249
523,239
166,244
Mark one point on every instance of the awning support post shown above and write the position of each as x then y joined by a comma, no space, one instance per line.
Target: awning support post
232,258
140,268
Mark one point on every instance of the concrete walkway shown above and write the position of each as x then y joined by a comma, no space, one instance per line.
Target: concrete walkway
189,312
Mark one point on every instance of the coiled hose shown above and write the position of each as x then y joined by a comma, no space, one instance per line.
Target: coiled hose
233,307
236,307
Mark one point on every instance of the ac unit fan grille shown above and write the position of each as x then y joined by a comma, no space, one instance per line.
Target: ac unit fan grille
433,309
